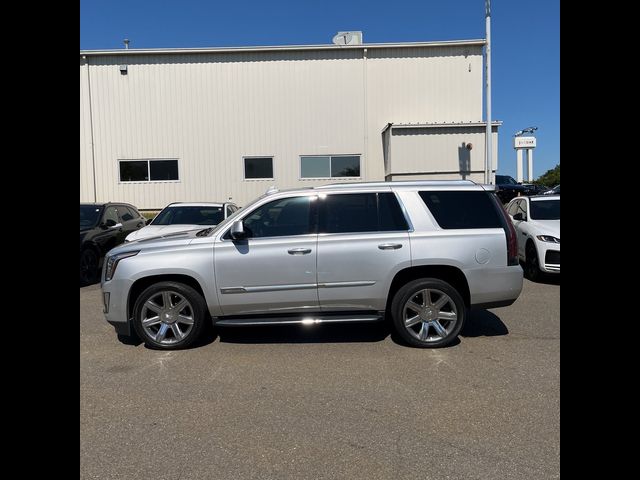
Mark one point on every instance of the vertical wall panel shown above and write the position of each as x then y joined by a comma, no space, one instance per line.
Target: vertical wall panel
86,163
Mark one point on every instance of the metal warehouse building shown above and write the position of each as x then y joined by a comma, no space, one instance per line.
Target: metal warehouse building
212,124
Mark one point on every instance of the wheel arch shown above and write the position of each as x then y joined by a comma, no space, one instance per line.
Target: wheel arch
530,244
448,273
91,246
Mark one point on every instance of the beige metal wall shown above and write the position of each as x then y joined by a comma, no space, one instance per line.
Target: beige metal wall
440,149
209,110
86,161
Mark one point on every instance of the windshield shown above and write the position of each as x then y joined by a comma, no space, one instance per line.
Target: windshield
505,179
545,210
89,215
205,215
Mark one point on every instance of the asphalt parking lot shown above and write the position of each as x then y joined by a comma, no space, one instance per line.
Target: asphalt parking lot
326,402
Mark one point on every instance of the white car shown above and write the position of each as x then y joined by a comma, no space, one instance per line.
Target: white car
537,223
183,216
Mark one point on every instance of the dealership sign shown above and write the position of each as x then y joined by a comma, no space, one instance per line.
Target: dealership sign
524,142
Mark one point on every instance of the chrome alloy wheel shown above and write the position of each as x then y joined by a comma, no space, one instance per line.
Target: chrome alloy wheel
167,317
430,315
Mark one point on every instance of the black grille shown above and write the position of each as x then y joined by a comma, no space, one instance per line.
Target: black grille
552,256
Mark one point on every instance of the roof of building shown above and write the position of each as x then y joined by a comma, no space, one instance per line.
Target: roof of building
494,123
182,51
195,204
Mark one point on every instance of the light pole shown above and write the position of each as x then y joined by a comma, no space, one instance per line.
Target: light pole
527,143
488,164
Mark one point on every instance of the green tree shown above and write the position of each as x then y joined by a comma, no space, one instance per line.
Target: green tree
550,178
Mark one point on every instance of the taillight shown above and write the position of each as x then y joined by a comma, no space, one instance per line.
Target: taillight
510,231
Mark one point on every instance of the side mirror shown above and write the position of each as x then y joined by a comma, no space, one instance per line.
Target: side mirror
519,217
110,223
237,230
149,220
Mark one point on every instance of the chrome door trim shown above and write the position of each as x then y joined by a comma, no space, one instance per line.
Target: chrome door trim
229,290
366,283
267,288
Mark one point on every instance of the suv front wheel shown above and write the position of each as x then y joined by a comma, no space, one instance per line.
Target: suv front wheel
169,315
428,313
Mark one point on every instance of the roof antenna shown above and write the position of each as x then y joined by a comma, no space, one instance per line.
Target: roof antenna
126,43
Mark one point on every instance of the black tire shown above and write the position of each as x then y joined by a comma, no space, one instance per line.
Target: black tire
408,292
88,266
531,264
197,310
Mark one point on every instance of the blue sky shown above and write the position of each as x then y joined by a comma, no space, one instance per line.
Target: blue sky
525,42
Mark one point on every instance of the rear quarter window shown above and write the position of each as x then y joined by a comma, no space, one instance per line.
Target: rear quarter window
462,209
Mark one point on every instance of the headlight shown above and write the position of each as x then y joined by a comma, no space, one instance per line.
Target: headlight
548,238
112,263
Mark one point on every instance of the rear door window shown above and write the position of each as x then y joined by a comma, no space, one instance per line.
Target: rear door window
111,214
361,212
462,209
125,213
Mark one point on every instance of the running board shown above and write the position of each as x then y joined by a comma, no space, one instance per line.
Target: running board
306,320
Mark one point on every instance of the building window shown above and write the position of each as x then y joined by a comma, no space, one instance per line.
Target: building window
258,168
330,166
148,170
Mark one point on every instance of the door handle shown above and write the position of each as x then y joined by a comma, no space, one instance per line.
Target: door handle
389,246
299,251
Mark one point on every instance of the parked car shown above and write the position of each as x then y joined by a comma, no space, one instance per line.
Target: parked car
507,188
537,221
102,227
554,191
183,216
422,253
534,189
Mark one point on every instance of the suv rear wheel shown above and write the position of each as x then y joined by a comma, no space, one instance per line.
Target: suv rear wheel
428,313
169,315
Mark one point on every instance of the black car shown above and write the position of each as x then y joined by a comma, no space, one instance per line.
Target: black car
535,189
102,227
507,188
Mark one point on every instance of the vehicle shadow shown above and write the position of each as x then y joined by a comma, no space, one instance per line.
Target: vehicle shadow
88,284
479,323
328,333
483,323
548,279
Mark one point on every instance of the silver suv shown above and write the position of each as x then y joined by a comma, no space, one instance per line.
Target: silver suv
421,253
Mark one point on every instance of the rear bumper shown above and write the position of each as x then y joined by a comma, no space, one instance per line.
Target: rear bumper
494,287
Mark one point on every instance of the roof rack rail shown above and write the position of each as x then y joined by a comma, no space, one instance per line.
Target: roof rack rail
398,183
